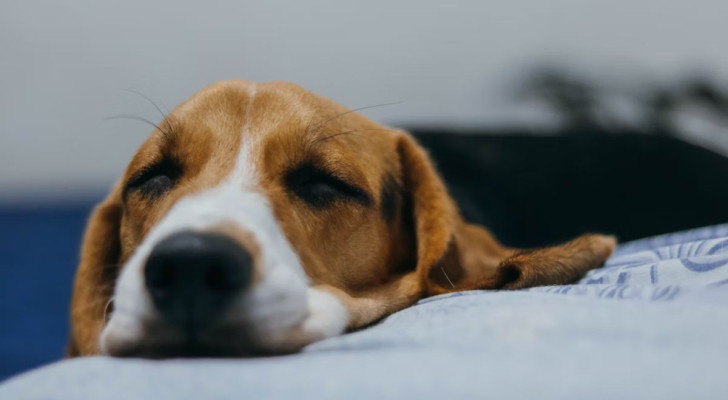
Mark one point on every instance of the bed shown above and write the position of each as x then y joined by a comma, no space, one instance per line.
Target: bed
652,323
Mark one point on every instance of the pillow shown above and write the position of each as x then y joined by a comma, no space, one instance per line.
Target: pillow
651,324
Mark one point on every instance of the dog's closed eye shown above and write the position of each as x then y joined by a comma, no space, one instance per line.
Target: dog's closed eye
155,180
321,189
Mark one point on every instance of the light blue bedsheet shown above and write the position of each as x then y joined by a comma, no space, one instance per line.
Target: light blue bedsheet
652,323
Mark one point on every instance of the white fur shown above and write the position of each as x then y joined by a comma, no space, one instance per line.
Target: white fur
280,312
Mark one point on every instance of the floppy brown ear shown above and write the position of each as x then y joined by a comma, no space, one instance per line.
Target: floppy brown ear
453,255
94,283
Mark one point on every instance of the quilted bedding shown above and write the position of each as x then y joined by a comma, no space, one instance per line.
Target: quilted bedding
652,323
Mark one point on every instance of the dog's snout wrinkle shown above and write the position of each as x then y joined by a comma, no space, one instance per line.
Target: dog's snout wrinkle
193,276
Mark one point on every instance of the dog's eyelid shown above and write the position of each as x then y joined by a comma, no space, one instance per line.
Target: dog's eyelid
166,167
303,175
313,170
335,175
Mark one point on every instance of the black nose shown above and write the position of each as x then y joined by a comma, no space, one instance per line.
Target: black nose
192,276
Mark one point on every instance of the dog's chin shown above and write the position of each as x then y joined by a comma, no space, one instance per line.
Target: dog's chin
188,349
167,342
181,350
149,335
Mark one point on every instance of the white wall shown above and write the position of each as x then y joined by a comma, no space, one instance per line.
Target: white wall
66,65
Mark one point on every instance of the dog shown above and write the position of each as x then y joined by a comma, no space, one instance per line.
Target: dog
260,218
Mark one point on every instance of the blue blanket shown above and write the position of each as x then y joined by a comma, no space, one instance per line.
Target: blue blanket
652,323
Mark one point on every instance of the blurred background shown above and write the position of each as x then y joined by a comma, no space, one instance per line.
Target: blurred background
635,86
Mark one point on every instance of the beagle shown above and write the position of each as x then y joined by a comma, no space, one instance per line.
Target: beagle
260,218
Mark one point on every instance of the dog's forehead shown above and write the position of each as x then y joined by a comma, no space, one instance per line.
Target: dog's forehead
275,118
272,126
264,106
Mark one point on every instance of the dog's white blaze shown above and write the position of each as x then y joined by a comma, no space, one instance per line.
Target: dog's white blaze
280,312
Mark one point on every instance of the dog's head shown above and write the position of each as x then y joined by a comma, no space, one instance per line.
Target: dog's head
262,218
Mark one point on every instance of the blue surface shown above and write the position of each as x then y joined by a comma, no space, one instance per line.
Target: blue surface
652,323
39,248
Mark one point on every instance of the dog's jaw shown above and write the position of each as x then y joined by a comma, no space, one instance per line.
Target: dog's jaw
278,313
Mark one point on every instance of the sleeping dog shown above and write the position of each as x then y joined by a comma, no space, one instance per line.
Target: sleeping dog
260,218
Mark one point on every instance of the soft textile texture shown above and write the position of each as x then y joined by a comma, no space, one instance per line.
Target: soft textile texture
652,323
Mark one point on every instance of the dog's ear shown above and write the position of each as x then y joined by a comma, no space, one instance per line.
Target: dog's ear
453,255
94,283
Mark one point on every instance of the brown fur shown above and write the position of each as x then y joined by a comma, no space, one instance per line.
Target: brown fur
375,265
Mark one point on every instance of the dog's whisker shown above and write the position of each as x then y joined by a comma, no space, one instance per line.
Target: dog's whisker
447,277
106,309
165,115
148,99
325,122
325,138
138,118
90,306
